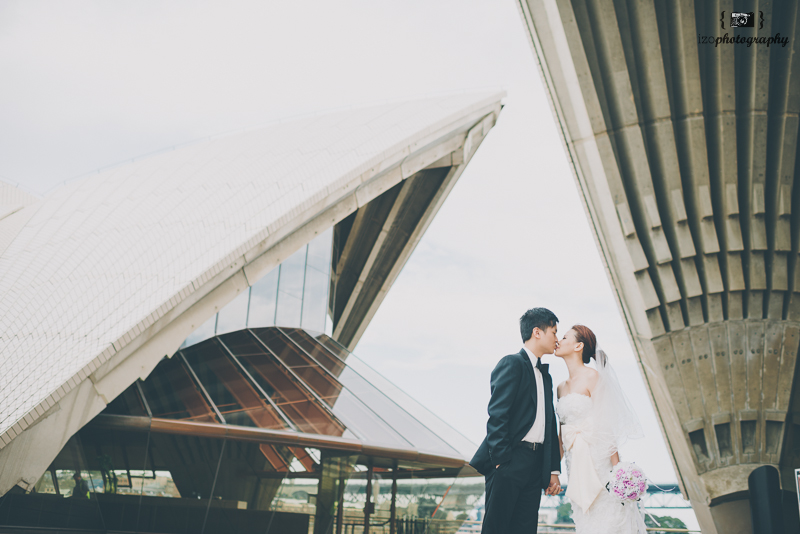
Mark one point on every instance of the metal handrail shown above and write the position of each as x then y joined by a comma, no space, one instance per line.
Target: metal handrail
572,527
563,527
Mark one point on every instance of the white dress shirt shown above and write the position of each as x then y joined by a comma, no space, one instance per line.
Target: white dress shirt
536,433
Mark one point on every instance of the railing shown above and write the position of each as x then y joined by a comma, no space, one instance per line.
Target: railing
412,525
468,527
439,526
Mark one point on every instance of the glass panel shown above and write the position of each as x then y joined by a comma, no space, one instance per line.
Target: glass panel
335,348
423,504
317,351
292,273
290,289
234,316
178,483
335,471
319,251
128,403
246,485
296,496
171,393
315,300
205,331
357,415
366,423
421,436
134,482
452,437
230,390
463,502
263,298
289,310
79,489
354,500
47,484
243,343
248,479
291,397
306,368
126,464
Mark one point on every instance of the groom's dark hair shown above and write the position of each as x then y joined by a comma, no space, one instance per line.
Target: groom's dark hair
539,318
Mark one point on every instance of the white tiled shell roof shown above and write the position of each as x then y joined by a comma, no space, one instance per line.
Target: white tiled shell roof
104,256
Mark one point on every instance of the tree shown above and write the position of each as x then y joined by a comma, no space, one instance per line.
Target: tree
664,521
564,513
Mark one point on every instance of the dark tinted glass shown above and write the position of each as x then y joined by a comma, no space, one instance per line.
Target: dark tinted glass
312,374
359,416
277,380
172,393
234,395
316,350
128,403
61,499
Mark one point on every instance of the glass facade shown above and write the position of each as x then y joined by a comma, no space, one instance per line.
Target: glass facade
210,441
288,379
294,294
189,449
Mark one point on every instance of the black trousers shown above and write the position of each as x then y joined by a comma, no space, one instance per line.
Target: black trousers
513,494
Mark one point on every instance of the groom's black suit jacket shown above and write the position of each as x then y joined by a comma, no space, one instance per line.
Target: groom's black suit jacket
512,409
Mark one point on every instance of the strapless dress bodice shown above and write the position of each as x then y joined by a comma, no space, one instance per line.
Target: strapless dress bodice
573,407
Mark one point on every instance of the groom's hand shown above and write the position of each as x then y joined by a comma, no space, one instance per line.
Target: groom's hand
555,486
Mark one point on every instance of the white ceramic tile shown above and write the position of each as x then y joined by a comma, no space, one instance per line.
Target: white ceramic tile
117,249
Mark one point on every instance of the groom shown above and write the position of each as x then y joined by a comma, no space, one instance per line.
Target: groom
520,454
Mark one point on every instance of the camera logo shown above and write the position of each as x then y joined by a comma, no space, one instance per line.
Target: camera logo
742,20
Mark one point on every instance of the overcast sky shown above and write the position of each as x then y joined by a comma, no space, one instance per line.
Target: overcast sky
90,84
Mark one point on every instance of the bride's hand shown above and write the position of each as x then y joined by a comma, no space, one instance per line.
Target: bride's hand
555,486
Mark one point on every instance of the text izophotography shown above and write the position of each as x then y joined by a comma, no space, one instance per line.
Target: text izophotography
738,39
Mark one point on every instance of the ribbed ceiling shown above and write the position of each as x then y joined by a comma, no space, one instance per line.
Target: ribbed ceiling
705,137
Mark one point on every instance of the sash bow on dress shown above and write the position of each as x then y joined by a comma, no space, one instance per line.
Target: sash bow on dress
584,485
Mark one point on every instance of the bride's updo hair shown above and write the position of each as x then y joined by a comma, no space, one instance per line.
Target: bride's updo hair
585,336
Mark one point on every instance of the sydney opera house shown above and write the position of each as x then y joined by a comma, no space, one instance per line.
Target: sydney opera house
177,332
682,131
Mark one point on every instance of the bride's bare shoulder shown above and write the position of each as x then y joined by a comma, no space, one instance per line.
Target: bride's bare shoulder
560,389
591,378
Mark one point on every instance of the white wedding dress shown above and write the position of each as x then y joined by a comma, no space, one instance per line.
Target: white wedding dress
606,514
592,430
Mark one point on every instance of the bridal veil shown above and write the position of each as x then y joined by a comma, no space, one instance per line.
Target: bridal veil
612,420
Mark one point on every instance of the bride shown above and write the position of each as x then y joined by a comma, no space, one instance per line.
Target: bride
596,419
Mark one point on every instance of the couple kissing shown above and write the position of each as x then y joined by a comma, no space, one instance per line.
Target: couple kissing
521,454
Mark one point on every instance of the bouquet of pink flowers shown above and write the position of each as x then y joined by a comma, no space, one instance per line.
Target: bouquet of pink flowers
628,482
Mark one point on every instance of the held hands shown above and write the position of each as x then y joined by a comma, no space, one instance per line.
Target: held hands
555,486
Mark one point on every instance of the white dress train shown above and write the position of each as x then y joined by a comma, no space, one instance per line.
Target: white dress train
606,514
